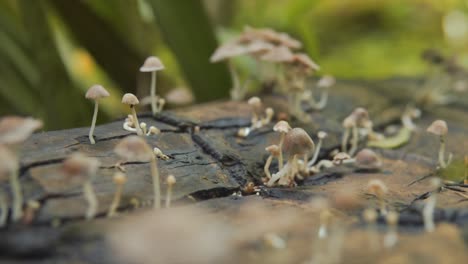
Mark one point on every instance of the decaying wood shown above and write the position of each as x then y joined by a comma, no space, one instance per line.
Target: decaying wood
212,164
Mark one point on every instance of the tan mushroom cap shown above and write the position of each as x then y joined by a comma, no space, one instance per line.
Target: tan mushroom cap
8,163
79,166
130,99
273,150
304,61
180,96
96,92
134,148
326,81
282,127
171,180
119,178
270,35
368,159
340,157
278,54
377,187
349,122
152,64
15,129
322,134
298,142
258,47
227,51
360,114
438,127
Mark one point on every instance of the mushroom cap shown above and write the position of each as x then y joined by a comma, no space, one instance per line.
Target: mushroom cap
298,142
15,129
377,187
8,163
134,148
258,47
304,61
282,127
96,92
269,35
227,51
326,81
368,159
180,96
278,54
273,150
119,178
340,157
370,215
349,122
322,134
79,166
130,99
438,127
152,64
171,180
361,115
255,102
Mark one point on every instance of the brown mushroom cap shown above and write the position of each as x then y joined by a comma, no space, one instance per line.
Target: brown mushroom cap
134,148
304,61
258,47
96,92
152,64
340,157
80,167
227,51
349,122
15,129
282,127
130,99
273,150
119,178
278,54
8,163
438,127
368,159
377,187
270,35
298,142
171,180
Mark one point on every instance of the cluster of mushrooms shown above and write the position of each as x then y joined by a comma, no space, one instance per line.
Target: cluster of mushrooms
276,52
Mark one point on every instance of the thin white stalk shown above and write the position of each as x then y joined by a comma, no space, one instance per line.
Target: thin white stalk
154,109
266,168
354,141
156,187
137,124
323,99
93,123
168,196
17,196
236,90
344,140
428,213
280,146
442,162
116,201
280,174
90,196
316,153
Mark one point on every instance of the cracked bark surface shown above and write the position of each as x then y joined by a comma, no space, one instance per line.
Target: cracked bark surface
213,163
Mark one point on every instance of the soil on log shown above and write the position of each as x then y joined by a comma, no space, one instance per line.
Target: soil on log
212,166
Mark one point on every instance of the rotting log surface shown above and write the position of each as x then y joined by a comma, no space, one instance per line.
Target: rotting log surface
212,164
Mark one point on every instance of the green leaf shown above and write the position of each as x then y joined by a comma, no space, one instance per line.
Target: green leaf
186,29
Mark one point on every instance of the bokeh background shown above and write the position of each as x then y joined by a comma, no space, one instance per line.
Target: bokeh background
51,51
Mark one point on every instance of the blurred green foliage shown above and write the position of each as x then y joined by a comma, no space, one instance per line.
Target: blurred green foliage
51,51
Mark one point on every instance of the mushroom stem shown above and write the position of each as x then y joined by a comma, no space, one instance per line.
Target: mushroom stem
168,195
93,123
3,210
17,196
344,140
316,153
428,213
156,187
154,109
116,201
127,127
281,173
90,196
325,217
354,140
323,99
266,169
280,145
443,164
137,124
236,91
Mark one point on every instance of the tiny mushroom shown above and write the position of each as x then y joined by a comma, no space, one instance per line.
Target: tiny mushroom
274,151
349,123
9,171
320,135
152,64
256,104
379,189
119,179
283,128
367,159
180,97
95,92
296,142
340,158
159,154
324,84
171,180
82,169
439,128
132,100
15,129
136,149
